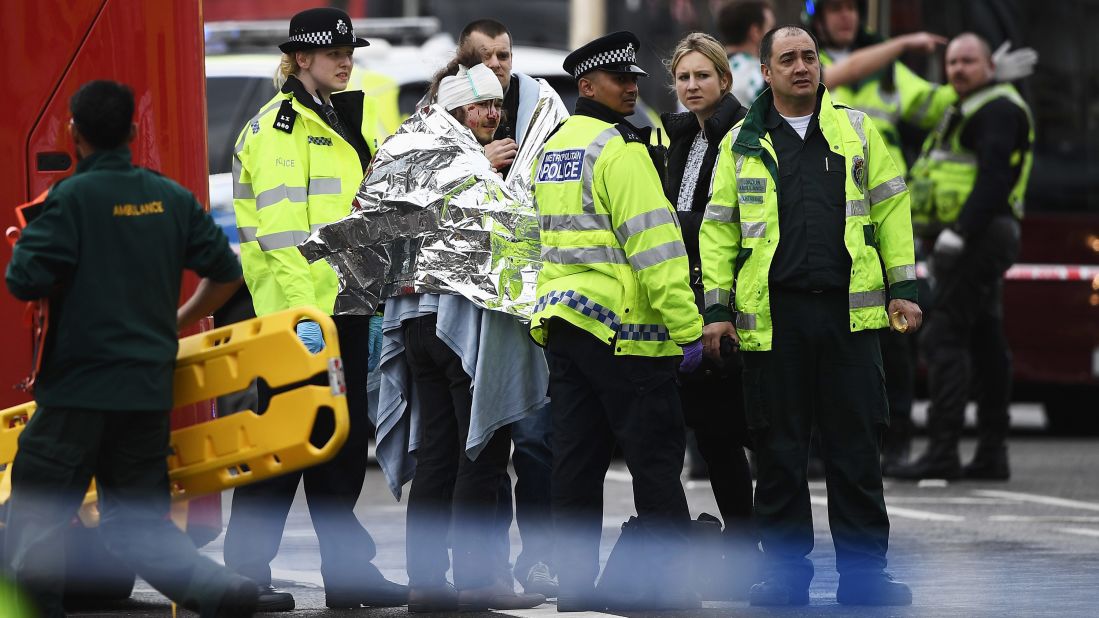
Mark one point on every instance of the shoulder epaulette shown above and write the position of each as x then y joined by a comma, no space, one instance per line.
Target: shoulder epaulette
629,134
284,120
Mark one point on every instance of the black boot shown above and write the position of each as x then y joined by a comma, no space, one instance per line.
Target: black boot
939,461
989,464
876,589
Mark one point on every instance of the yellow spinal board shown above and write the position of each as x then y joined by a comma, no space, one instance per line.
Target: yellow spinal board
243,447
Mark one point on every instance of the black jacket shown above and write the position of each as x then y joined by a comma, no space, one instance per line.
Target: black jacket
682,129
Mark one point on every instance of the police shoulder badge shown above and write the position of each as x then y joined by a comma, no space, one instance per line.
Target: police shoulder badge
858,171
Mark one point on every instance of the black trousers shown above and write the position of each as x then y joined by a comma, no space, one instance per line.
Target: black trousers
449,489
898,358
59,451
713,406
259,511
817,370
965,340
600,399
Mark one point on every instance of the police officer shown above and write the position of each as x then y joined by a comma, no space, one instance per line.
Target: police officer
806,204
297,165
971,179
108,251
615,312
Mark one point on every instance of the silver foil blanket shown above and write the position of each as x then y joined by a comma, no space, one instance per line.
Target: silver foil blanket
433,217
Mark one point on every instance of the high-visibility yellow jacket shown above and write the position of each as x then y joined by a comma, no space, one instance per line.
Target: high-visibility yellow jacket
383,94
946,171
909,97
740,232
292,173
613,259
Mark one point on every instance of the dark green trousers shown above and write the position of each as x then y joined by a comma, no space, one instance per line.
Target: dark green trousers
59,451
817,374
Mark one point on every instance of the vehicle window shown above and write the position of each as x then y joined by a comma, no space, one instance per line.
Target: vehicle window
231,102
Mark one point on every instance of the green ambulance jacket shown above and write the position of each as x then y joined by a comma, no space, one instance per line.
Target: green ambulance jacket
108,250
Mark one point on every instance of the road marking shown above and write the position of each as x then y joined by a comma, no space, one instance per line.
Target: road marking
298,577
548,610
621,476
1080,531
901,512
890,500
1063,519
1038,499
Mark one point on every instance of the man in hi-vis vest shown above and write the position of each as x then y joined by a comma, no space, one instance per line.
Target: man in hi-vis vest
807,204
970,180
615,313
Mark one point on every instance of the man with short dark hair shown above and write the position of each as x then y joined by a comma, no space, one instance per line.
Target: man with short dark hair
532,457
807,204
742,24
108,250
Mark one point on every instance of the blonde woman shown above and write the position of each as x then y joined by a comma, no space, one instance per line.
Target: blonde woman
711,396
297,165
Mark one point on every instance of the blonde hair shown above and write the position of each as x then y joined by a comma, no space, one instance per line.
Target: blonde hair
707,46
288,65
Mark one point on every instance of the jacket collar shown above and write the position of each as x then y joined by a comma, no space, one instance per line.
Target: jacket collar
595,109
116,159
762,117
729,111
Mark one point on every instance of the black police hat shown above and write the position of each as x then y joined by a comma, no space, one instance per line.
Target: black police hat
323,27
616,53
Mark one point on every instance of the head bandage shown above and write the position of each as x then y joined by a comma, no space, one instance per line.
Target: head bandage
471,85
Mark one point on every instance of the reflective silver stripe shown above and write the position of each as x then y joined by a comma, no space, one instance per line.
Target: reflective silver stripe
592,153
658,254
953,157
575,223
241,190
642,222
716,297
723,214
316,226
746,321
855,117
240,141
861,300
644,332
281,240
921,112
887,189
901,273
753,229
325,186
583,255
857,208
246,234
739,164
279,193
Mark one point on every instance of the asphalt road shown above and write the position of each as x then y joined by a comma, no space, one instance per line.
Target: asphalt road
1027,547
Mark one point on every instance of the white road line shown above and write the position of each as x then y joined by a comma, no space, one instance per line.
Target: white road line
1038,499
901,512
621,476
298,577
548,610
891,500
1080,531
1056,519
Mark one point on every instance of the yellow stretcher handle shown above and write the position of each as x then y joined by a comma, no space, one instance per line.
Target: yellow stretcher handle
244,447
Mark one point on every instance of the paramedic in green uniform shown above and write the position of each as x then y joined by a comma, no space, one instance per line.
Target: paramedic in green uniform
108,250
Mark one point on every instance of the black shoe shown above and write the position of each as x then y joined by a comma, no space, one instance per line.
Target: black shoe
380,592
240,599
540,580
274,600
774,593
986,467
588,602
877,589
432,599
948,468
496,596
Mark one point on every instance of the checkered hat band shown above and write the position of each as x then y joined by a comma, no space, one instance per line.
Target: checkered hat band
614,56
314,38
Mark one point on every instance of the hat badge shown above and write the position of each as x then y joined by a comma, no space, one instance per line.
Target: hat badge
341,26
629,48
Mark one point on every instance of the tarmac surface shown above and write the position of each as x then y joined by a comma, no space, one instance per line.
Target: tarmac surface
1025,547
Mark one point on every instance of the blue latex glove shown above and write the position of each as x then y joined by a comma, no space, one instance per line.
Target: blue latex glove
375,343
692,356
310,334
